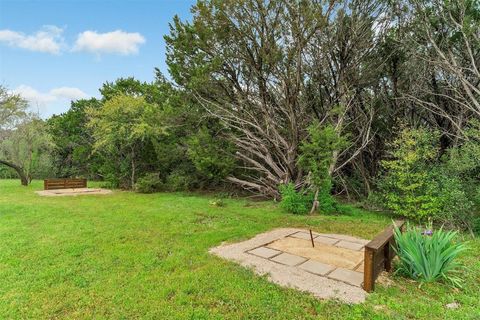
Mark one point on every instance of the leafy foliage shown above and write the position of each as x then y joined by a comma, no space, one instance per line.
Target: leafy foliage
460,168
293,201
149,183
121,127
419,185
211,155
428,258
73,141
406,187
12,108
266,93
179,180
316,158
28,146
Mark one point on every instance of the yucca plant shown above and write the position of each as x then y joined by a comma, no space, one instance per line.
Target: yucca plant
428,256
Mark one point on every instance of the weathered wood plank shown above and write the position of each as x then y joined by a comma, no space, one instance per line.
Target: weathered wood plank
378,256
368,276
52,184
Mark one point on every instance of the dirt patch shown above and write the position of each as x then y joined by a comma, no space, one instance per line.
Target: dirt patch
72,192
291,276
328,254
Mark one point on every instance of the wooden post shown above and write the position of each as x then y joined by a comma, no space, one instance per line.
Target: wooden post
368,278
311,238
386,255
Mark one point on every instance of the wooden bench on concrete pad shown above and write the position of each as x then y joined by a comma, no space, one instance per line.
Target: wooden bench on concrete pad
53,184
379,254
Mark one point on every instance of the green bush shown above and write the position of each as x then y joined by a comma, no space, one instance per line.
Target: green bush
476,226
316,157
179,180
149,183
459,175
420,186
217,202
212,155
457,210
293,201
326,202
428,256
406,187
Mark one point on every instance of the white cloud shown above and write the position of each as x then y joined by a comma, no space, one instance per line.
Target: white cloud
48,39
68,93
33,96
118,41
42,99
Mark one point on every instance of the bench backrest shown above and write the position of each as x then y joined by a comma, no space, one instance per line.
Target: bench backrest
51,184
379,254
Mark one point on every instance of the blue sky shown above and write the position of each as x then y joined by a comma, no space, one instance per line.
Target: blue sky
54,51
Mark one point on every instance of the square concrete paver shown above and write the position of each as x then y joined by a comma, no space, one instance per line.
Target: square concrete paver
316,267
360,267
264,252
288,259
302,275
350,245
348,276
303,235
325,240
345,237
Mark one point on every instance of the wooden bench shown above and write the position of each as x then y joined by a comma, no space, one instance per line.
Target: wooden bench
52,184
379,254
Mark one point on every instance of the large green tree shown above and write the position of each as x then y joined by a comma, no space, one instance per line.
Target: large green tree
268,69
121,129
12,111
73,141
27,149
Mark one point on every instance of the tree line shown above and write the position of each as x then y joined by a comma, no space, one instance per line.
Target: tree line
366,99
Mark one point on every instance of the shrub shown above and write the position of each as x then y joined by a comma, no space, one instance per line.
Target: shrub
316,157
212,155
149,183
460,176
326,202
476,226
419,185
179,180
406,187
293,201
457,208
426,256
218,202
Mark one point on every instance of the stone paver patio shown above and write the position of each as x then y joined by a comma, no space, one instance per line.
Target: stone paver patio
72,192
331,269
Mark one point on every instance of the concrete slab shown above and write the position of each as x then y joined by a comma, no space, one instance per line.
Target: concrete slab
316,267
326,240
295,277
304,235
348,276
72,192
288,259
345,237
264,252
332,255
360,267
349,245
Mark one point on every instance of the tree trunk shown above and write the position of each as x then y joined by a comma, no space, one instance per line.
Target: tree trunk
19,170
315,203
133,170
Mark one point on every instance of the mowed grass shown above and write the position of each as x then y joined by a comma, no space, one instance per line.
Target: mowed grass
135,256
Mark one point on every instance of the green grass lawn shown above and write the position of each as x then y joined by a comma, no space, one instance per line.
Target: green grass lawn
135,256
